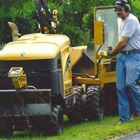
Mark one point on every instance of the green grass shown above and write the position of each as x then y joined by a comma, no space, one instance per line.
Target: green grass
100,130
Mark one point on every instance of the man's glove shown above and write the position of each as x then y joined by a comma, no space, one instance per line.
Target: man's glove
106,53
109,52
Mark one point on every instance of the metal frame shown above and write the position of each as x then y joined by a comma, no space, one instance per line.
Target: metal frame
103,72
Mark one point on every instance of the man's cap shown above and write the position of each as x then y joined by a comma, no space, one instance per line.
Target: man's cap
120,3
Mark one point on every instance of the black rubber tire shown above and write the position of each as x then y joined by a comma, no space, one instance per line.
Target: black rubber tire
94,103
54,126
6,127
79,89
6,131
82,102
75,114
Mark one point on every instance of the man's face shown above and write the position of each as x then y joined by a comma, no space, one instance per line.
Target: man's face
120,11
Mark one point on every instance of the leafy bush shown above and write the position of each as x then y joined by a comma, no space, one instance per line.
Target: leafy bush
136,8
24,17
76,19
5,34
76,35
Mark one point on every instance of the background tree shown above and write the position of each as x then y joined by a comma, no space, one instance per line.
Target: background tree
75,17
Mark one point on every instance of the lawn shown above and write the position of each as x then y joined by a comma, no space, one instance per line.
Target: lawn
100,130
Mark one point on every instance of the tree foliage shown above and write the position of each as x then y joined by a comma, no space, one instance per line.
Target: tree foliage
75,17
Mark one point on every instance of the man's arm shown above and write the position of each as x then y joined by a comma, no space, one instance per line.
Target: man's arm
121,44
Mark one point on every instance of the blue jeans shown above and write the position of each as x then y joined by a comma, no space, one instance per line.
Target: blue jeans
128,91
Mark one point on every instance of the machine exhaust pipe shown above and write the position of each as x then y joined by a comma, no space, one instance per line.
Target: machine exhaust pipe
15,32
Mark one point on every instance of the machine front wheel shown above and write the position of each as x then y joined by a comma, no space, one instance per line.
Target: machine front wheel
54,126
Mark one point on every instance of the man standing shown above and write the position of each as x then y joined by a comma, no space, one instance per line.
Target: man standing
128,62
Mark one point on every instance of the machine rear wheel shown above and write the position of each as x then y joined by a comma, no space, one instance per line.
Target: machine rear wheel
74,113
94,103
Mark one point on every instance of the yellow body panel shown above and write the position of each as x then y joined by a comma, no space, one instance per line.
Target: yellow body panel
66,70
98,32
34,46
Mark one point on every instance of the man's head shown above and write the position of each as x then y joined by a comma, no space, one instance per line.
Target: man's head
122,8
